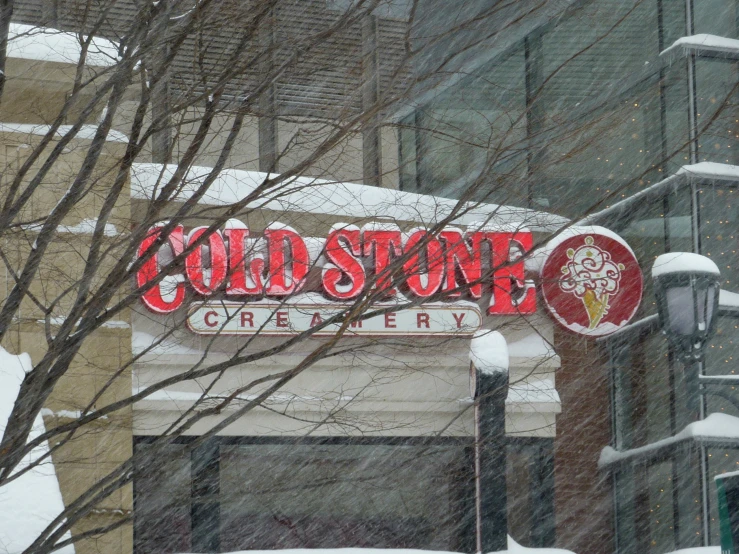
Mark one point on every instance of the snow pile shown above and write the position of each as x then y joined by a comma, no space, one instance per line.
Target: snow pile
310,195
715,426
699,550
682,262
84,227
703,42
513,548
51,45
31,502
489,351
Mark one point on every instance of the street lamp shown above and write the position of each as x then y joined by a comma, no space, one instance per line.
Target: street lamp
687,287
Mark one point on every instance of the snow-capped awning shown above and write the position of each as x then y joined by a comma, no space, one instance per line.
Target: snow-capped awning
702,44
703,172
717,428
320,196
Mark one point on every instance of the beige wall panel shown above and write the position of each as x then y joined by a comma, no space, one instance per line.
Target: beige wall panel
389,144
299,139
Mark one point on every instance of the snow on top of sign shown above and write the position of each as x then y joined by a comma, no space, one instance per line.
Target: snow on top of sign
703,41
715,426
710,170
310,195
86,132
535,261
489,351
679,262
52,45
31,502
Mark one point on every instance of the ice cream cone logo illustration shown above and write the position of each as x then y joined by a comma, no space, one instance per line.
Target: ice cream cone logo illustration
591,281
591,275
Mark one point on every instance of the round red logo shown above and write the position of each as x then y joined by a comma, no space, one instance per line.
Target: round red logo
591,281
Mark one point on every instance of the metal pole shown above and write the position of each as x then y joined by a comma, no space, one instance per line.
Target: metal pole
492,498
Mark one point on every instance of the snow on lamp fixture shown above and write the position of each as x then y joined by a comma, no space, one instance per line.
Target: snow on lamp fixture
687,289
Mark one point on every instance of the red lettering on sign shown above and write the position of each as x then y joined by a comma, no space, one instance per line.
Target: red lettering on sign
511,295
207,319
153,298
247,317
463,265
356,324
422,319
236,262
316,319
344,279
452,263
458,319
384,245
195,265
282,320
287,270
424,283
390,321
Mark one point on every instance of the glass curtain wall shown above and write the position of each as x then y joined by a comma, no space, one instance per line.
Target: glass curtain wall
575,116
588,113
659,501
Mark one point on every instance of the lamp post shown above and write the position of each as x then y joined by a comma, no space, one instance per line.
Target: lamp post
687,288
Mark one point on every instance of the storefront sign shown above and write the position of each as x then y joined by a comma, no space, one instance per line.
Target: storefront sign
591,281
274,318
233,263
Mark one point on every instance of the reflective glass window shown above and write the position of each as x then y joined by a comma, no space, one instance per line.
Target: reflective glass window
717,105
716,17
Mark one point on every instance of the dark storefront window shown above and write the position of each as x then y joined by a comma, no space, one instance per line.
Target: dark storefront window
230,494
530,491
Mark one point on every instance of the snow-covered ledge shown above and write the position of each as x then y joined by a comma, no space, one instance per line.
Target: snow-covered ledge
702,44
45,44
716,428
703,172
321,196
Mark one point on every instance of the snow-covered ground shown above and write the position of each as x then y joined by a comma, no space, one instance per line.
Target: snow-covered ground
513,548
699,550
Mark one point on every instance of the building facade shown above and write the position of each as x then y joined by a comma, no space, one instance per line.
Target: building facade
621,114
